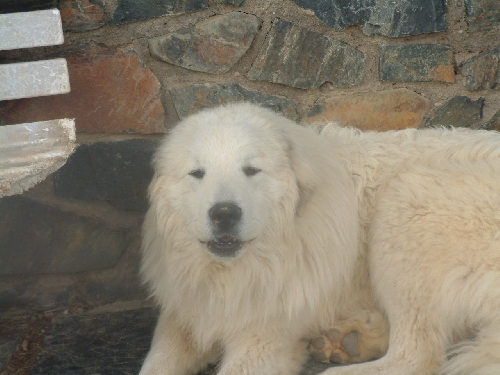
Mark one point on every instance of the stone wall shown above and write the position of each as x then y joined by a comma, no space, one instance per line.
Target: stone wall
138,66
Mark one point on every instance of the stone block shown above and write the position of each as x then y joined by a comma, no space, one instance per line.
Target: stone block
393,18
417,63
494,123
191,99
137,10
74,345
111,92
82,15
380,111
482,15
482,72
233,2
30,152
116,172
30,29
461,111
36,239
299,57
36,78
213,45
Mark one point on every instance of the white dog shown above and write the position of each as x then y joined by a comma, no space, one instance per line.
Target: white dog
263,234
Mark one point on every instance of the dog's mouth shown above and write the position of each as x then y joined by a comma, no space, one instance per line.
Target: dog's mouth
224,246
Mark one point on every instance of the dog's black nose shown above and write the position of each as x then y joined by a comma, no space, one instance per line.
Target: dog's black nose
225,215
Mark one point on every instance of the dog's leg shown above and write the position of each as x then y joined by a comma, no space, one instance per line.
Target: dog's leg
361,338
173,352
415,348
268,352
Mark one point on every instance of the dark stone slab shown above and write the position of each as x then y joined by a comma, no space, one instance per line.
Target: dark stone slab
299,57
137,10
233,2
106,292
417,63
116,172
12,332
37,239
482,72
34,295
461,111
213,45
393,18
105,344
494,123
191,99
482,15
13,6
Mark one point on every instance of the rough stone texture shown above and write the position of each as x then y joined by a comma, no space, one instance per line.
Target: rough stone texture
482,15
494,123
461,111
36,78
392,18
30,152
191,99
213,45
417,63
299,57
12,6
233,2
381,111
34,295
30,29
7,348
116,172
482,72
105,344
111,92
137,10
82,15
37,239
11,335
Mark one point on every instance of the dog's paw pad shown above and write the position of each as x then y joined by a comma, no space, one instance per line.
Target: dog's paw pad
318,343
350,344
335,347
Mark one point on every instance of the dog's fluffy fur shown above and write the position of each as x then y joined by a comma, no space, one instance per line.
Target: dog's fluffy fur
333,221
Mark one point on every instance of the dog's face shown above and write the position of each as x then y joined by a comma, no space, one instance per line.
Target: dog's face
224,172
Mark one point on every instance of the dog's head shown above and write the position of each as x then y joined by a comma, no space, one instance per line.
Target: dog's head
225,172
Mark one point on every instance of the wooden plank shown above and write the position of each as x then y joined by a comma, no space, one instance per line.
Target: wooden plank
30,79
30,29
30,152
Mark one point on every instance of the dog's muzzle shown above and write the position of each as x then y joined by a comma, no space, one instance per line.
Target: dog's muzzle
225,217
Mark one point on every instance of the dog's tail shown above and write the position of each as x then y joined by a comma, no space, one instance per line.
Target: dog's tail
480,356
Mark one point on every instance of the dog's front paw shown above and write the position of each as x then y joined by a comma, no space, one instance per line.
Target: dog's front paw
362,338
333,346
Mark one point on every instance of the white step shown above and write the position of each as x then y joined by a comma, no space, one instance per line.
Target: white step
30,29
30,152
36,78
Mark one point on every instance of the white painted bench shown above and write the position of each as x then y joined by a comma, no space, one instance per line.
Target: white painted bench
31,151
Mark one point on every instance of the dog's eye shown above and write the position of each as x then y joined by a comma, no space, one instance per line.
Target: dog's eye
197,173
250,171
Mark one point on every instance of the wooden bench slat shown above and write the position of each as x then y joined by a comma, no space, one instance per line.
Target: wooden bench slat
30,29
35,78
29,152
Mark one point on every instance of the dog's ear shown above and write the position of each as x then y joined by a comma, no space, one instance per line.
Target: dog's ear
302,155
